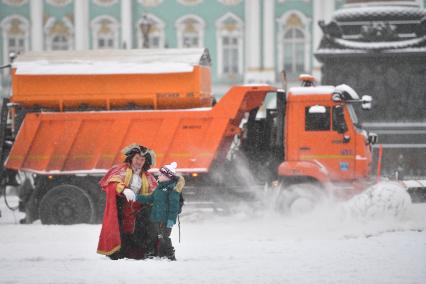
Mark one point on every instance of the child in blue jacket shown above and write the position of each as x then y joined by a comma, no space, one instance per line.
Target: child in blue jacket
165,202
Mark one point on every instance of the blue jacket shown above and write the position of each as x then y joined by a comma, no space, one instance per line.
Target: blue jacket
165,202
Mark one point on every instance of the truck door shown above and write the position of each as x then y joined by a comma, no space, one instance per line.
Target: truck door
326,139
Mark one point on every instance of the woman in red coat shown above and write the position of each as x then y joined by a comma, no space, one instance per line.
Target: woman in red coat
126,223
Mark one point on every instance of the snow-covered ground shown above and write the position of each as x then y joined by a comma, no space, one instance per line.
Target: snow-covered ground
325,246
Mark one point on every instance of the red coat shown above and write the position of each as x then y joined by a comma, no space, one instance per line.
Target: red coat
113,183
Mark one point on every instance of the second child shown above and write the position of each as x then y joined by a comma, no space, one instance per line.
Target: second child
165,202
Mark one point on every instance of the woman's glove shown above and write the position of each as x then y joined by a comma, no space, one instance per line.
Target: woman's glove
129,194
170,224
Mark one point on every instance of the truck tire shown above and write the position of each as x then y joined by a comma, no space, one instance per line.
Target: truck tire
98,196
298,198
67,204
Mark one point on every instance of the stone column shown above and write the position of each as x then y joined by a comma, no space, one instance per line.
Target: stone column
269,40
36,13
81,32
323,10
126,24
252,38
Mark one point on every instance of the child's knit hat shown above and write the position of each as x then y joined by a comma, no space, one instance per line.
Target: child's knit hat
169,170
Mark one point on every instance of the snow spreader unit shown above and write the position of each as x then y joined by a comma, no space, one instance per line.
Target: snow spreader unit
72,112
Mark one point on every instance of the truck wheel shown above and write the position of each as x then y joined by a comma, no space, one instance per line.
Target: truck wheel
97,195
31,212
298,198
67,204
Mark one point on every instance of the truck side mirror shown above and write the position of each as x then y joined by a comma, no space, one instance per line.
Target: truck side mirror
339,120
366,102
372,138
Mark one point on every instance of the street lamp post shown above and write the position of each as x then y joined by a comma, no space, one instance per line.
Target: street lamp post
145,27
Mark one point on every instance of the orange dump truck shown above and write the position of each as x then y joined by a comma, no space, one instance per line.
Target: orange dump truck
74,119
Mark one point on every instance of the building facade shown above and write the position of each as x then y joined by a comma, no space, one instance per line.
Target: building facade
249,40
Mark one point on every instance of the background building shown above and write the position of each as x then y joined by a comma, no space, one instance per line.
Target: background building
249,40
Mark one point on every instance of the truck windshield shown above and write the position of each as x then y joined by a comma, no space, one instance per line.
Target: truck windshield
354,117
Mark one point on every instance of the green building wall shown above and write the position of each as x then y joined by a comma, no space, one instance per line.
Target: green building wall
169,11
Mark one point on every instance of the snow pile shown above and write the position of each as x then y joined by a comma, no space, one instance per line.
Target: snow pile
383,200
385,207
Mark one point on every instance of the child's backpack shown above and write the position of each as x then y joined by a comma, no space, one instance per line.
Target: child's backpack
181,202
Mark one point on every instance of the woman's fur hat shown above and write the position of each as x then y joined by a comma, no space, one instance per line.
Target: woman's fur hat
132,149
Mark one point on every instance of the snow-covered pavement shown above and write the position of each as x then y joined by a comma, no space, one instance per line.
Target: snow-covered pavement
249,247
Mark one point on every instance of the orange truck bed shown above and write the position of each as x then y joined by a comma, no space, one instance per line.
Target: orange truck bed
113,79
90,142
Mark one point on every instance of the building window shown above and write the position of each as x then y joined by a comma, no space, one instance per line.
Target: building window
293,44
229,46
16,44
15,35
294,50
60,42
190,31
150,32
230,54
105,32
59,34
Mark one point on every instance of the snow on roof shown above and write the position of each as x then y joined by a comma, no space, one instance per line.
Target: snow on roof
380,45
320,90
134,61
379,11
346,90
389,52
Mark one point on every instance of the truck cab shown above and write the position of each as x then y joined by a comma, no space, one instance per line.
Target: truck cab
323,138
